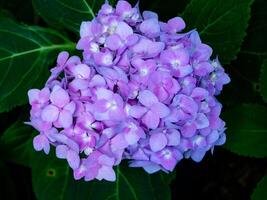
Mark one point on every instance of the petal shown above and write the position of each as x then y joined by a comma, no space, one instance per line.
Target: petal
123,30
103,93
147,98
62,58
149,15
61,151
137,111
160,109
131,137
113,42
157,141
33,95
198,155
106,160
78,84
73,159
80,172
81,71
104,59
150,27
97,80
173,137
59,96
118,143
151,120
65,118
176,24
199,93
85,29
44,95
123,7
70,107
155,48
38,142
50,113
201,121
188,130
182,71
106,173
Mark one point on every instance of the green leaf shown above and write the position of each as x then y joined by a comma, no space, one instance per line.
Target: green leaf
8,189
260,192
16,143
25,54
67,13
53,179
247,130
263,81
221,24
255,41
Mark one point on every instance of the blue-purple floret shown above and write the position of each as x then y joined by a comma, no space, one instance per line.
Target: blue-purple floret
143,92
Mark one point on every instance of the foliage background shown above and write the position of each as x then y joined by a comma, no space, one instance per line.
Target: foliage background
236,29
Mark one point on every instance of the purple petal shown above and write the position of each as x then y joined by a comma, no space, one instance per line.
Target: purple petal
113,42
62,58
123,30
149,15
173,137
147,98
103,59
201,121
81,71
73,159
150,27
50,113
59,96
106,160
65,118
160,109
40,142
33,95
198,155
157,141
137,111
61,151
78,84
151,120
188,130
106,173
176,24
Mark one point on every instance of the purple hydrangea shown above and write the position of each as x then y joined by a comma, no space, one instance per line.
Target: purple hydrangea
143,91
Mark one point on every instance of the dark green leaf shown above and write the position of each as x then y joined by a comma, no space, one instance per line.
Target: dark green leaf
7,189
25,54
255,41
260,192
67,13
16,143
247,130
263,80
221,23
53,179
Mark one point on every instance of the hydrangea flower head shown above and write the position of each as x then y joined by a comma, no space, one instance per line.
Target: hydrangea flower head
143,92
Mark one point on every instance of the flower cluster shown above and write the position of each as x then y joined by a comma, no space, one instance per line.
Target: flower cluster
143,91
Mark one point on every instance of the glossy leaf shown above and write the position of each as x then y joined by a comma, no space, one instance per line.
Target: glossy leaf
247,130
16,143
263,80
67,13
221,23
25,54
52,174
260,192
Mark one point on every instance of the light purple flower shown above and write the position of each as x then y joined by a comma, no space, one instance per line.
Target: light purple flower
144,91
